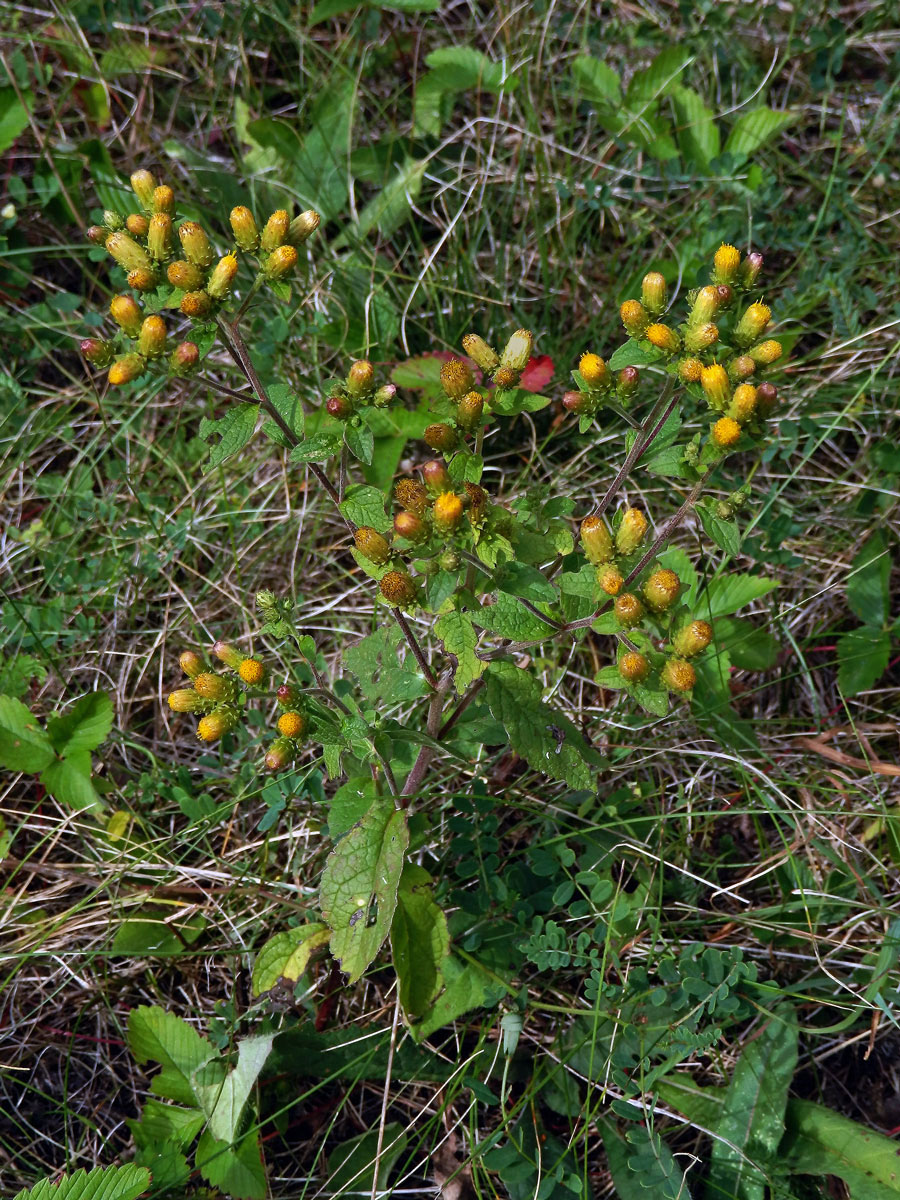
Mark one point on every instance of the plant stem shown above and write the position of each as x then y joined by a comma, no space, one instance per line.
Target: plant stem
415,647
426,753
649,430
460,708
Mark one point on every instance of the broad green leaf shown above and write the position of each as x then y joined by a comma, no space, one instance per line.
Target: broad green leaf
364,505
382,674
102,1183
419,942
155,1035
518,579
358,893
467,986
597,81
150,933
166,1123
238,1171
85,726
387,211
317,448
455,69
863,657
711,704
517,400
508,618
287,402
351,1165
633,354
224,1103
818,1141
24,746
70,783
659,78
234,431
360,441
13,115
465,467
546,739
349,804
869,582
652,700
751,1123
724,533
696,131
416,373
286,955
755,128
730,592
456,631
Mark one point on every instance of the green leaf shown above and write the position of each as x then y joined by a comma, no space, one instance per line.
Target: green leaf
546,739
102,1183
509,619
151,934
69,781
652,700
863,657
755,128
287,402
17,672
724,533
360,442
454,69
633,354
456,631
381,673
392,205
869,582
238,1171
652,1163
85,726
351,1165
751,1123
317,448
349,804
697,134
234,430
24,746
13,115
418,373
750,647
364,505
155,1035
818,1141
597,81
465,467
509,403
467,986
659,78
420,942
728,593
521,580
224,1101
286,955
358,895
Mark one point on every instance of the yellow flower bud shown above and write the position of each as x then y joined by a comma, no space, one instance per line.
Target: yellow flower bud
470,410
217,724
629,610
144,186
634,317
215,687
456,378
292,725
137,224
634,667
596,540
726,432
275,231
706,302
398,588
228,654
743,403
506,377
411,494
191,663
594,371
480,352
196,305
360,378
372,545
279,754
164,200
142,279
714,381
693,638
184,359
159,236
448,512
302,227
631,532
195,243
610,580
752,323
517,351
726,264
661,589
186,700
185,275
664,338
280,262
126,369
653,292
243,226
152,338
127,314
222,277
700,337
678,675
766,353
690,370
127,253
441,437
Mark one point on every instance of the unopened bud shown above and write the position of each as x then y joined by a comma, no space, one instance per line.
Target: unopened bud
144,186
185,275
408,525
693,638
436,476
766,353
164,200
449,560
704,307
97,353
280,262
384,395
195,244
741,367
766,395
152,338
448,512
576,402
752,323
267,604
279,754
610,580
480,352
456,378
631,532
274,231
398,588
726,432
410,494
137,225
113,220
126,369
159,237
339,407
629,610
228,654
186,700
302,227
627,382
184,359
292,724
142,279
127,253
196,305
751,268
517,351
191,663
441,437
470,410
476,498
678,675
243,226
594,371
661,589
690,370
127,314
634,667
725,295
726,263
287,695
372,545
743,403
596,540
97,234
653,292
635,318
360,378
219,722
664,338
215,687
222,277
506,378
714,380
700,337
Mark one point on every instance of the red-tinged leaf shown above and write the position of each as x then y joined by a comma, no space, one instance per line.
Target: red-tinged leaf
537,374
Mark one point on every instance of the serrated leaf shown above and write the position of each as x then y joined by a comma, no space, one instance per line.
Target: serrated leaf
465,467
350,803
17,672
456,631
519,579
364,505
597,81
462,68
238,1171
751,1123
633,354
85,726
724,533
547,740
755,128
24,746
286,955
607,623
287,402
317,448
358,894
582,582
509,403
869,582
380,672
696,131
102,1183
155,1035
728,593
652,700
234,431
69,781
360,441
420,942
863,657
509,619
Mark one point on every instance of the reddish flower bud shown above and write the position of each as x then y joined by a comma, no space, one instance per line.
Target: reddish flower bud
372,545
408,525
360,378
126,369
191,663
480,352
661,590
287,695
653,292
678,675
384,395
766,395
441,437
634,666
725,295
195,244
750,269
184,359
456,378
137,225
279,754
629,610
339,407
448,512
98,354
398,588
98,235
576,402
275,231
627,382
741,367
436,476
292,725
243,226
476,499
